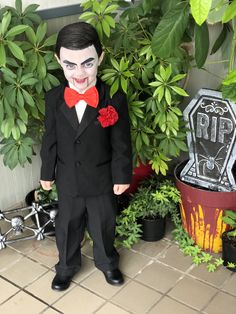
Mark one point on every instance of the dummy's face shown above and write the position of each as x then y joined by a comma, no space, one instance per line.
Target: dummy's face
80,67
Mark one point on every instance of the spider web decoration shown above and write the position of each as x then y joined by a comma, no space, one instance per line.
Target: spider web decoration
211,141
20,226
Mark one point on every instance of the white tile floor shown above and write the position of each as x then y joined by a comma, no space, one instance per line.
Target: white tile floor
158,280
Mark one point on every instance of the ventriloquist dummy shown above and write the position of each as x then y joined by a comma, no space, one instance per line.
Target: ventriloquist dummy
86,149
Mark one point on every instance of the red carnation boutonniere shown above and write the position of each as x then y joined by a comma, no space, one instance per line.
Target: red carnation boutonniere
108,116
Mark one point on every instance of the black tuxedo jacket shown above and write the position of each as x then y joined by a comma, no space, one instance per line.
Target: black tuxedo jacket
85,158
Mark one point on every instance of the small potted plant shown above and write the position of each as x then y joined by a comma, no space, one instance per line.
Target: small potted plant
229,240
146,214
153,202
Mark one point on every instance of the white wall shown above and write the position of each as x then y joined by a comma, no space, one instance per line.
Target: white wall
43,4
15,184
214,71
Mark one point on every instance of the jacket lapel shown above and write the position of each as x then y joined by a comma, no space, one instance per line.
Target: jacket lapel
89,115
70,114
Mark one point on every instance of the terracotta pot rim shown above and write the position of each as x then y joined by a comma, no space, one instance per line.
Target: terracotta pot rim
206,198
187,185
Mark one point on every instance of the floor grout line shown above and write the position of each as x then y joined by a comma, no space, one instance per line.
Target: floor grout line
24,290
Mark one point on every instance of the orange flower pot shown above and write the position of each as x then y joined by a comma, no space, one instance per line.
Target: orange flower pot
201,212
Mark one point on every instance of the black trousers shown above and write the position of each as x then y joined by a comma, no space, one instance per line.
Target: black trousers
98,215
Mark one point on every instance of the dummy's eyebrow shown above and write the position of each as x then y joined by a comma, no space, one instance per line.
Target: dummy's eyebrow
87,60
68,62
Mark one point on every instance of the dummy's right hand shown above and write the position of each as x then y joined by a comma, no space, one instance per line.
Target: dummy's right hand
46,185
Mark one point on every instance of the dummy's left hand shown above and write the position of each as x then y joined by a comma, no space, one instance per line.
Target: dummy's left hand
120,188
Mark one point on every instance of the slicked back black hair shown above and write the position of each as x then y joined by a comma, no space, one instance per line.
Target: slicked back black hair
78,36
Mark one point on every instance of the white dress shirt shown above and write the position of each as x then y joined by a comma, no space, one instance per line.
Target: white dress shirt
80,109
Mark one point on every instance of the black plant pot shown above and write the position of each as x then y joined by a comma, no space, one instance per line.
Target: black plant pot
153,229
43,217
229,250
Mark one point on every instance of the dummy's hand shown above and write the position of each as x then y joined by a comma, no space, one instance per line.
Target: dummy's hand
46,185
120,188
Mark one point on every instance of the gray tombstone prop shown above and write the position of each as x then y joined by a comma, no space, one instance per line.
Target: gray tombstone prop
211,141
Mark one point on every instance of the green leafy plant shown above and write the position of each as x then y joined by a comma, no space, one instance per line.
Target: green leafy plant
159,199
148,50
153,83
189,248
230,219
153,199
128,230
223,13
46,197
26,66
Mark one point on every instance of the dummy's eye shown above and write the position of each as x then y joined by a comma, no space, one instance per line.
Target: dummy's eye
70,66
88,64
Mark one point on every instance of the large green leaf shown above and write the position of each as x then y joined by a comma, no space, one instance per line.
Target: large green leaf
9,79
201,44
220,39
15,132
2,55
5,22
22,155
16,50
10,94
31,8
229,91
22,126
53,80
34,17
18,4
1,111
7,127
231,78
230,12
23,114
166,5
28,98
227,44
29,81
41,106
32,60
50,40
16,30
11,158
41,32
216,12
8,109
30,34
20,99
200,10
170,30
41,67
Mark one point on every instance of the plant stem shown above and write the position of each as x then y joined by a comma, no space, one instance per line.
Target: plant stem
216,62
233,46
143,30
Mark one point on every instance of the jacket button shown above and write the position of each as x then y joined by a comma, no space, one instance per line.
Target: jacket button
78,163
78,141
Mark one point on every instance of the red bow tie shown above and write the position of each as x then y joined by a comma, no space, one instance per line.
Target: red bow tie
72,97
